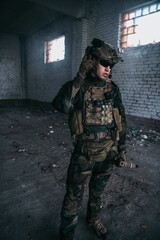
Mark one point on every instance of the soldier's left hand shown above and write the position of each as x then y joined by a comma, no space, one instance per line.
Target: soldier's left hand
121,157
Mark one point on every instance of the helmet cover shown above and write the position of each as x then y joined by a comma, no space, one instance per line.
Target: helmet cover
104,51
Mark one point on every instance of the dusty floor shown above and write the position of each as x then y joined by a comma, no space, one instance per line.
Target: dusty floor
35,148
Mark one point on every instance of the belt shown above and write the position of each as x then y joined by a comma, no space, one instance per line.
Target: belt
94,136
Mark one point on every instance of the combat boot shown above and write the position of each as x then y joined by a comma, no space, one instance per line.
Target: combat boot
67,236
98,227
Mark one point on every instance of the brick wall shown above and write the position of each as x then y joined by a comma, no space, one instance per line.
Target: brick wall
11,82
139,80
139,75
79,43
44,80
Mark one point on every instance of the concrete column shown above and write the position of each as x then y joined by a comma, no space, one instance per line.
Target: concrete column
79,43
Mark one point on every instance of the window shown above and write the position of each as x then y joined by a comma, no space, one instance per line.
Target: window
54,50
141,26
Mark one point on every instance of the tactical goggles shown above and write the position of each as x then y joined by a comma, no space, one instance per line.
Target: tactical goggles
105,63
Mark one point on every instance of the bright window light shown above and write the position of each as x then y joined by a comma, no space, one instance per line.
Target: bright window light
55,50
140,27
145,10
153,8
138,12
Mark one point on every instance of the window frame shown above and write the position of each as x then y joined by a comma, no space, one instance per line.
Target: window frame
125,31
48,48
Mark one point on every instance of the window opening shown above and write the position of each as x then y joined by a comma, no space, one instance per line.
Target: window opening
140,27
54,50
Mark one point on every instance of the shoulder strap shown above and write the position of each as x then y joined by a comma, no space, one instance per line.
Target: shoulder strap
74,91
84,87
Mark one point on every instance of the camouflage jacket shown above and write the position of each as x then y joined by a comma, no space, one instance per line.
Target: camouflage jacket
63,97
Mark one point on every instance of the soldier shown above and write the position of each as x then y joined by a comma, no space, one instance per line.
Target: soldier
97,123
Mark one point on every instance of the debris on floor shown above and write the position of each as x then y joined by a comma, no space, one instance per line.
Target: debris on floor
35,151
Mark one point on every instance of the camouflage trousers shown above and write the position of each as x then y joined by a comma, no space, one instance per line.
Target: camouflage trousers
79,169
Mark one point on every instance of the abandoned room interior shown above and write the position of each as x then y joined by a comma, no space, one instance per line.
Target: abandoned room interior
42,44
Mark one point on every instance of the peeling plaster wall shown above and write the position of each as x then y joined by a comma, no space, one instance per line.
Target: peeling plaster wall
11,86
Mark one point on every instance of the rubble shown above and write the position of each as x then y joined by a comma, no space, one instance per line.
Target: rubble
136,138
144,137
22,150
54,165
56,124
143,226
51,131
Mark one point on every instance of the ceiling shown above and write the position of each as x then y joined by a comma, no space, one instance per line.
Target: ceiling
24,17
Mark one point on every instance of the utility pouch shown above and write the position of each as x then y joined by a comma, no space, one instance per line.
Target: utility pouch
75,122
117,118
96,151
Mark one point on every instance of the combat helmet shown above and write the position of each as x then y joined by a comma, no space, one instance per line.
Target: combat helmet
104,52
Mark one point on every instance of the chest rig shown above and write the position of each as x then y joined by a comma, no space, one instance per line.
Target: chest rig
98,105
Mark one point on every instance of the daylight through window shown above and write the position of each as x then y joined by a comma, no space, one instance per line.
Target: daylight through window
141,26
54,50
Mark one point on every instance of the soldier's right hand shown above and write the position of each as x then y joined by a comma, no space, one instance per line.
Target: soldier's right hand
88,62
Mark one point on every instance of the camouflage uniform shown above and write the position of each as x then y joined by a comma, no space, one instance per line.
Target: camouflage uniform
90,156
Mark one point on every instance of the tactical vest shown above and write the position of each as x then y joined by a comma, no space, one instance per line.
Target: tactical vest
98,106
97,110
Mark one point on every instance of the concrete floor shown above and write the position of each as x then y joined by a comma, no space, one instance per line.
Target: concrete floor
35,149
